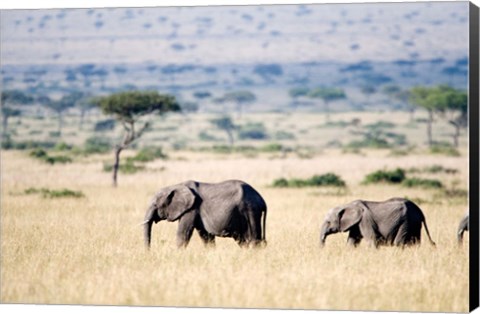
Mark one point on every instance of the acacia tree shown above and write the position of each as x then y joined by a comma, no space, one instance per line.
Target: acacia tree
225,124
433,100
239,98
297,92
128,108
396,93
454,108
85,104
11,99
61,106
327,94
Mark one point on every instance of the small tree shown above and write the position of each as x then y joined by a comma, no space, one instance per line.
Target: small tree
297,92
327,94
128,108
11,99
240,98
225,124
396,93
85,104
455,110
62,105
368,90
433,100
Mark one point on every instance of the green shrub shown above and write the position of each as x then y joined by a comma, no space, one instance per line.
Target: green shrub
254,131
148,154
394,176
283,135
424,183
328,179
204,136
444,149
41,154
8,143
380,125
47,193
38,153
104,125
280,183
62,146
272,147
368,142
96,145
434,169
129,167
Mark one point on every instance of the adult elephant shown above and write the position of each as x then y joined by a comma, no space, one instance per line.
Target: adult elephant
462,227
396,221
228,209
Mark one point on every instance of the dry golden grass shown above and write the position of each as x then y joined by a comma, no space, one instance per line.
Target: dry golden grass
90,250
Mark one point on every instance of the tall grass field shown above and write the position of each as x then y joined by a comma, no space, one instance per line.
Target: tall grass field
87,247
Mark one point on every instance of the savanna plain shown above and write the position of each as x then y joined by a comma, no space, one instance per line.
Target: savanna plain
89,250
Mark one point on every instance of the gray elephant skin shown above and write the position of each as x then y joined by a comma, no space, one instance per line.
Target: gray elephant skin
227,209
462,227
396,221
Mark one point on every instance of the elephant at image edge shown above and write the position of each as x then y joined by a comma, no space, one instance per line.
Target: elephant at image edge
227,209
396,221
462,227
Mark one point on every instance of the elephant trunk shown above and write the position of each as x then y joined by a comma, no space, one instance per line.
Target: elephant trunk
323,235
150,218
147,225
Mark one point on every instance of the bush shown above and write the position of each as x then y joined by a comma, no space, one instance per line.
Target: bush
62,146
126,168
328,179
381,125
283,135
394,176
46,193
104,125
434,169
41,154
254,131
8,143
369,142
444,149
96,145
272,147
148,154
204,136
424,183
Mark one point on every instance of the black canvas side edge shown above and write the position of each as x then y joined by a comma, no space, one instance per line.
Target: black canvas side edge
473,105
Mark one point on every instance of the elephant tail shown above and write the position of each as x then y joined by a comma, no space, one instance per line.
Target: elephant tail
264,239
428,233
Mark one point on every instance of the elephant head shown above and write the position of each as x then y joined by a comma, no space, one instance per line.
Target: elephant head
341,219
168,204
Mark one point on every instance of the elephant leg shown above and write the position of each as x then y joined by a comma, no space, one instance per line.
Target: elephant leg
240,239
254,229
207,238
354,236
405,236
185,229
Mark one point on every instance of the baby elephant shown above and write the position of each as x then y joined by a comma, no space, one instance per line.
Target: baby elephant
396,221
227,209
462,227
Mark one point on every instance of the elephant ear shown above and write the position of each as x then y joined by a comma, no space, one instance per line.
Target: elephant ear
349,216
179,201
